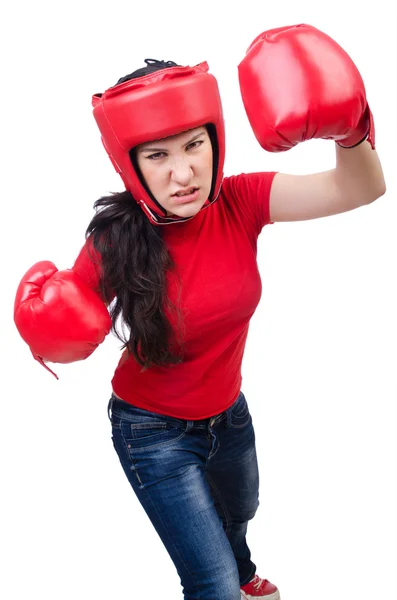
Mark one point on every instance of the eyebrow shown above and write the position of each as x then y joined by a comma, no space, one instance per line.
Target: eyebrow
157,149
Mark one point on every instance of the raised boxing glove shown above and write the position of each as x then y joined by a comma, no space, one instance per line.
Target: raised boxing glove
297,83
58,315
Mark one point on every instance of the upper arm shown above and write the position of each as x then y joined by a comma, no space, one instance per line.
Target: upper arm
303,197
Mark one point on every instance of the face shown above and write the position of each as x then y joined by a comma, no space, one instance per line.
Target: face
178,170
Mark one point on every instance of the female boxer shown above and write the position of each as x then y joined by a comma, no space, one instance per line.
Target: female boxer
175,255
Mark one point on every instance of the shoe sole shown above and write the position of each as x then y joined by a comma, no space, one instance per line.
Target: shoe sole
275,596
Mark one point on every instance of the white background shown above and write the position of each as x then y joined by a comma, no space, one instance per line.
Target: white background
320,363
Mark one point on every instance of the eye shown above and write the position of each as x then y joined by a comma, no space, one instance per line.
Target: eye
195,144
156,155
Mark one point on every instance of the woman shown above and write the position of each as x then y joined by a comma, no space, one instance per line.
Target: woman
175,256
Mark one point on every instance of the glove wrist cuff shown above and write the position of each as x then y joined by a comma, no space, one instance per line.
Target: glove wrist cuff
365,131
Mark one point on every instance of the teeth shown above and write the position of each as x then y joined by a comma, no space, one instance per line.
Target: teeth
185,193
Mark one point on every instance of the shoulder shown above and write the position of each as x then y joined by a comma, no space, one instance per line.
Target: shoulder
248,196
249,190
248,183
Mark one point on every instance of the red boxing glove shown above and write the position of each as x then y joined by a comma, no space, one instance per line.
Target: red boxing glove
297,83
58,315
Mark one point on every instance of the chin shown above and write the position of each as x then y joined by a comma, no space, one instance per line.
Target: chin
187,210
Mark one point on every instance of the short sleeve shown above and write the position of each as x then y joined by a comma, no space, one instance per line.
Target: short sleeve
250,192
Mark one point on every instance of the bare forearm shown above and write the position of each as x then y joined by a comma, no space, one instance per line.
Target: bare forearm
359,172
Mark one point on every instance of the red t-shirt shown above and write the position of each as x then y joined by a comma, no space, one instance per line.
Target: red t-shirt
215,254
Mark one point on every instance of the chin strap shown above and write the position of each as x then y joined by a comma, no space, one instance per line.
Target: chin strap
155,219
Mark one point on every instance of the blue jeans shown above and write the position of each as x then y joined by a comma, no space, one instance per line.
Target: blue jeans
198,483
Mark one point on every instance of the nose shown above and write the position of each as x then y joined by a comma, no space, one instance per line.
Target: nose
181,170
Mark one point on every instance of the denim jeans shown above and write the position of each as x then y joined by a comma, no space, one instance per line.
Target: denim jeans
198,483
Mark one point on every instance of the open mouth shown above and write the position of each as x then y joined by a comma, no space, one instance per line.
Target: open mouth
186,192
189,196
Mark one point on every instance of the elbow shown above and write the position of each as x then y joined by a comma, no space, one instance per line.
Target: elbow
381,191
377,192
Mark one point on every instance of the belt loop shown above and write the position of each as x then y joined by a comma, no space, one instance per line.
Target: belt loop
189,426
110,405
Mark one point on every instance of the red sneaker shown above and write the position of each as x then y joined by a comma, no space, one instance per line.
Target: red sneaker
260,589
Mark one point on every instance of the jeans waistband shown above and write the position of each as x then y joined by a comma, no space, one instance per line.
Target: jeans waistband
115,404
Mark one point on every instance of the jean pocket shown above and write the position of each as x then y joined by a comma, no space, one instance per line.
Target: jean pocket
240,415
150,432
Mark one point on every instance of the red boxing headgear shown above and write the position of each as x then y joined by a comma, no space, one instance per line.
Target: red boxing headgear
164,103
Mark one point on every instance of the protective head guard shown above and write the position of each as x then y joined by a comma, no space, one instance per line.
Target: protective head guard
163,103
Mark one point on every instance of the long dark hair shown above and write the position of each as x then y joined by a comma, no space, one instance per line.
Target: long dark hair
134,264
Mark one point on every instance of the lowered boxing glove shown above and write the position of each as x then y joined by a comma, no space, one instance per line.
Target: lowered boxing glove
297,83
58,315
